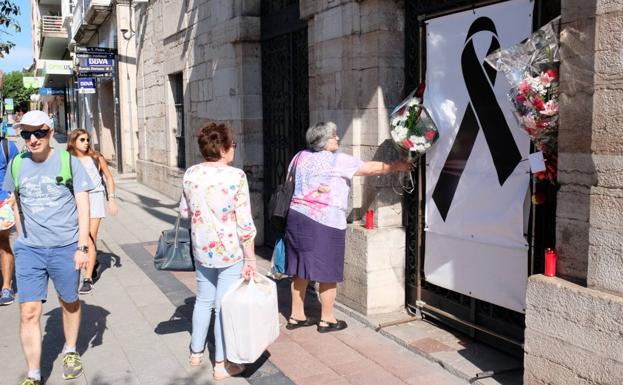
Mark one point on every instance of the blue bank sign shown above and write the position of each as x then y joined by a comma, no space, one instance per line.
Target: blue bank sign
86,85
51,91
96,64
100,62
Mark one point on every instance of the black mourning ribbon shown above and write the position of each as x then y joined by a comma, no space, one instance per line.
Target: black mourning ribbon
483,112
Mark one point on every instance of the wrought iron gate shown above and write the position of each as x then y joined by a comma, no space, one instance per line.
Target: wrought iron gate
485,321
285,99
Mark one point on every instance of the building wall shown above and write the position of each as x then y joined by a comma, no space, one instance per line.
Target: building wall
356,70
126,67
356,75
215,45
574,333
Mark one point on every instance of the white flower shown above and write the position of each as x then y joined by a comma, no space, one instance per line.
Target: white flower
398,121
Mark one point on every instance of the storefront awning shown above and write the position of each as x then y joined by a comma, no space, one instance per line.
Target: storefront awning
56,72
57,67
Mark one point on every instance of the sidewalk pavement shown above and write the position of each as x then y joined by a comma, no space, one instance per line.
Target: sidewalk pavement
136,324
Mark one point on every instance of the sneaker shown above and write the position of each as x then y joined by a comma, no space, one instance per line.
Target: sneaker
87,286
30,381
72,366
7,297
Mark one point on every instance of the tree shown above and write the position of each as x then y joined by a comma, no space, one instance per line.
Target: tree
8,12
14,88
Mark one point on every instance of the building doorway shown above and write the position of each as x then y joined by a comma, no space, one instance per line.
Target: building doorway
482,320
285,94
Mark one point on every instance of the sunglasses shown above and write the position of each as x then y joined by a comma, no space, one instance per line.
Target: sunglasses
82,140
38,134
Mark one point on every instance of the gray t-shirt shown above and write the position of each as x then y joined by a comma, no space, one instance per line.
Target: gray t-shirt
49,212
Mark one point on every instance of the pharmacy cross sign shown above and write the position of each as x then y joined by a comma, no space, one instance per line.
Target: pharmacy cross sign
482,111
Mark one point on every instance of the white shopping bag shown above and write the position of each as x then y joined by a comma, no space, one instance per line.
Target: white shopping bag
250,318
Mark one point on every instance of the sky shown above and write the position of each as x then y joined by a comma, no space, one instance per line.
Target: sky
21,55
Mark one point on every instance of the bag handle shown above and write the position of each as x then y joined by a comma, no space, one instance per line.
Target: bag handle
292,171
177,229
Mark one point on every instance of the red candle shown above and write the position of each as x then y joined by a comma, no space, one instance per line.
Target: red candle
550,262
369,219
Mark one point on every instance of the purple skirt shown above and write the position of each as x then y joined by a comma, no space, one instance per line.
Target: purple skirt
314,251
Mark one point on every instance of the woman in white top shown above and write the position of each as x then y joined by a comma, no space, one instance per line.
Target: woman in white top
79,145
217,202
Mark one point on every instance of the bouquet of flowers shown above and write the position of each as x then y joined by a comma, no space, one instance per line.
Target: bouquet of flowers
412,129
531,67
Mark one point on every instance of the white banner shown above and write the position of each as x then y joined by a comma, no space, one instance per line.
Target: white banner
477,175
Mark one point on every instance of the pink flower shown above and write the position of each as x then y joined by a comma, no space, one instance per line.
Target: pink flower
528,122
524,87
545,79
550,108
429,135
407,143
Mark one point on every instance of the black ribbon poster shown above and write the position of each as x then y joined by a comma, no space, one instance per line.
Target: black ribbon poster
482,112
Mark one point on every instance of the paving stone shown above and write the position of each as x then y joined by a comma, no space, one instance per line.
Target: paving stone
136,324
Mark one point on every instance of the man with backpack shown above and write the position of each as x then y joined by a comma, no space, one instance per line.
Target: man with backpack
7,296
51,189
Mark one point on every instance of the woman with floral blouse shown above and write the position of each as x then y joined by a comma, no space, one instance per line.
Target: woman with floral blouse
217,202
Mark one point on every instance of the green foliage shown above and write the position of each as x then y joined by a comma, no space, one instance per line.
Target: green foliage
8,13
14,88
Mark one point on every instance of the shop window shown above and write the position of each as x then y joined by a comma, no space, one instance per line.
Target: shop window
177,90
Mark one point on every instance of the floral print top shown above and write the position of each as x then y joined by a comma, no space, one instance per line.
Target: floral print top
322,184
217,202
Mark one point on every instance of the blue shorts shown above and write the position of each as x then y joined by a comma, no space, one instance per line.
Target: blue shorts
34,265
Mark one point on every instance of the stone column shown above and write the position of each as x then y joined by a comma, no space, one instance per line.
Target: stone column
356,70
573,333
126,56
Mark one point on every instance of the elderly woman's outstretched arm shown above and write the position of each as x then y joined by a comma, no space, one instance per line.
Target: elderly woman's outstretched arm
378,168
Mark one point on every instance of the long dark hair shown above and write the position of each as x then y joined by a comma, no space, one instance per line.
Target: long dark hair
71,145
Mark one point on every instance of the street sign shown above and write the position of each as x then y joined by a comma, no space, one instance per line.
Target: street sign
8,104
51,91
96,50
94,65
86,85
97,74
96,55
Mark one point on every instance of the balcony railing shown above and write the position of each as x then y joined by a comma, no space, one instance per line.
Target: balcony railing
52,24
92,12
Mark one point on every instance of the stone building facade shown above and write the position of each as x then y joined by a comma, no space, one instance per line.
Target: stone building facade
574,333
208,60
211,51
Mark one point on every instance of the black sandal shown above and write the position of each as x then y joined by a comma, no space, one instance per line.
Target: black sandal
332,326
299,324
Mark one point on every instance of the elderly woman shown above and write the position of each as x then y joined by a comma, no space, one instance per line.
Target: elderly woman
216,198
316,226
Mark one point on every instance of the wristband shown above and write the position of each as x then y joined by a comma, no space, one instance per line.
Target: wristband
250,259
112,195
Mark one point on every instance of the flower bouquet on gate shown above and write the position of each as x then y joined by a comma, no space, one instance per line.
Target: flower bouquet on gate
412,129
532,67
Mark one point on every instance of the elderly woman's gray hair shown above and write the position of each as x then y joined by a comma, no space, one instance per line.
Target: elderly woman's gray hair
319,134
